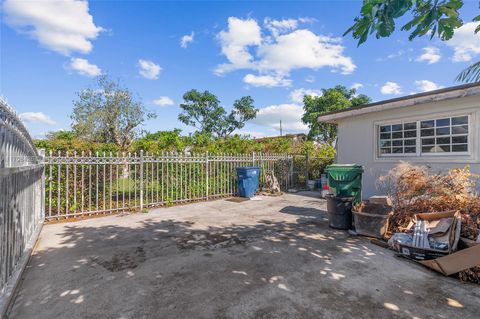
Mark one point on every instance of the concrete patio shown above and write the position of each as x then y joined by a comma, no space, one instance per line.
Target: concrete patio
273,258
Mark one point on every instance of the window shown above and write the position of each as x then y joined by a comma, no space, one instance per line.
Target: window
425,137
445,135
398,138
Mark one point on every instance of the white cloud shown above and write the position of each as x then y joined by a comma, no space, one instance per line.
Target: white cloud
235,42
297,95
187,39
391,88
277,27
426,85
310,79
61,26
430,55
397,54
303,49
289,114
38,117
83,67
465,43
357,86
266,80
163,101
286,49
149,69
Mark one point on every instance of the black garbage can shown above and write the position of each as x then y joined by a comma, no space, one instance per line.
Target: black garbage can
339,210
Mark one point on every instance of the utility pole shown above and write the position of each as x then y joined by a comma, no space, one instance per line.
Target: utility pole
281,133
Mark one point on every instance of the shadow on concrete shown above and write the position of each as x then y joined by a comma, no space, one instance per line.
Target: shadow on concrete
266,269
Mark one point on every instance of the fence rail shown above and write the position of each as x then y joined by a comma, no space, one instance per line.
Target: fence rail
21,200
86,184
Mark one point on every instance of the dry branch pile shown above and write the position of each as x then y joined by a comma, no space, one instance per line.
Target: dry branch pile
414,189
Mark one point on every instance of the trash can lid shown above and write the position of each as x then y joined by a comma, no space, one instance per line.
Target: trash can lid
344,167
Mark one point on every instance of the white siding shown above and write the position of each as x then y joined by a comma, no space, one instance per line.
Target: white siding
357,139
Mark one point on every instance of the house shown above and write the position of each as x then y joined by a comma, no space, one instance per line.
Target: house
440,129
295,137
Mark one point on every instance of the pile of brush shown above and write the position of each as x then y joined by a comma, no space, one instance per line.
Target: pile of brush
416,189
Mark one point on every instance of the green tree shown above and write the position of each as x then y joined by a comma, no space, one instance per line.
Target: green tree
62,141
108,113
334,99
204,112
436,18
161,141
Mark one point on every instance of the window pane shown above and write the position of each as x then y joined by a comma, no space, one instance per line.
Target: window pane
460,148
460,129
397,143
386,128
460,120
442,148
428,132
410,133
410,142
428,141
385,150
443,131
398,150
459,139
397,134
442,122
443,140
410,150
427,124
410,126
427,149
385,136
397,127
385,143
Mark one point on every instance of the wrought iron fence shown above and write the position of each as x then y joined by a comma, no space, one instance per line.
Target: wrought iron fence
21,200
86,184
305,167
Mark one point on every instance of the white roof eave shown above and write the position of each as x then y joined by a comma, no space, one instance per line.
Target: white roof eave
335,117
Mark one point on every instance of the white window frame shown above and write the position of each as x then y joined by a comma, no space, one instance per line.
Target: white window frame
377,133
419,154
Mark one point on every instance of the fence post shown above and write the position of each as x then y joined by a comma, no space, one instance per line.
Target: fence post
292,159
141,180
41,153
306,168
206,175
253,158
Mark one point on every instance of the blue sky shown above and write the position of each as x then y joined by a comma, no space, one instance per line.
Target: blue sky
272,51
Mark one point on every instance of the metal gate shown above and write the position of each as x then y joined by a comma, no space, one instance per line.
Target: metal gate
21,200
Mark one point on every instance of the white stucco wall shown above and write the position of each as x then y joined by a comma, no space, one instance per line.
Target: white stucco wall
357,139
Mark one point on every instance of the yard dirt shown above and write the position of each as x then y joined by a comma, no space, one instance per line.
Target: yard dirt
272,258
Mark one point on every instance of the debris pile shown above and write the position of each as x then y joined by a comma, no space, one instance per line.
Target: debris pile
413,190
270,185
416,190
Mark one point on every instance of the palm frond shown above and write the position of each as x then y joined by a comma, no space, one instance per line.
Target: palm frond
470,74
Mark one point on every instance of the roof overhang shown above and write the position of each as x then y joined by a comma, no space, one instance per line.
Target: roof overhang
406,101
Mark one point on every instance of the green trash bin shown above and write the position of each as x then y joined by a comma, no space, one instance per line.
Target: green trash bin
345,180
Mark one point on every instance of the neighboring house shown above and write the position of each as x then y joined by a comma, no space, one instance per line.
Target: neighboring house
440,129
295,137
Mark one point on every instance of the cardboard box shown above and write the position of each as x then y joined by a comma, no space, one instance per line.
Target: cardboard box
456,262
445,262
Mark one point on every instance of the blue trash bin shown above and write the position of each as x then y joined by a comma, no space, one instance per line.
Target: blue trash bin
247,181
